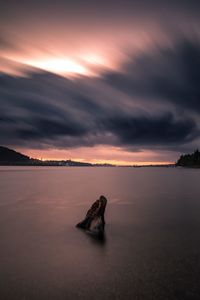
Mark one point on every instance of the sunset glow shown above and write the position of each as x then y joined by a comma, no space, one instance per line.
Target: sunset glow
86,65
103,155
59,66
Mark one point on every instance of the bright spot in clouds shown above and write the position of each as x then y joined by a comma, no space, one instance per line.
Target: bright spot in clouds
60,66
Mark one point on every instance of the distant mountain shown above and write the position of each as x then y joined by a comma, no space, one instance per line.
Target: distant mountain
189,160
9,156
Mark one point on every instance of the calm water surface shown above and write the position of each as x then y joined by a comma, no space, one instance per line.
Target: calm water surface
151,248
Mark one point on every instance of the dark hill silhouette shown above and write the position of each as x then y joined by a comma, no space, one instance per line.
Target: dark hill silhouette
8,156
189,160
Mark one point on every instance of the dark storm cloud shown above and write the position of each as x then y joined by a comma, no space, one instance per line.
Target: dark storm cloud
49,128
46,110
164,129
171,74
111,5
30,103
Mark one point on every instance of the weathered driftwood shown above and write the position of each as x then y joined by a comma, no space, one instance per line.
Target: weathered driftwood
94,221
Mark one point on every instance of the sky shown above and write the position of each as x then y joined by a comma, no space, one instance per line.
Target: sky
100,81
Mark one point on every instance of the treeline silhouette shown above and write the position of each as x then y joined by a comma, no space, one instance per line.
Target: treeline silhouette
189,160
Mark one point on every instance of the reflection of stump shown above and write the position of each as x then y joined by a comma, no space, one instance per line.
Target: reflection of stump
94,220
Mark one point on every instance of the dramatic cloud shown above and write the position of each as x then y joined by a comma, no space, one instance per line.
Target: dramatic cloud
153,130
117,74
46,110
171,74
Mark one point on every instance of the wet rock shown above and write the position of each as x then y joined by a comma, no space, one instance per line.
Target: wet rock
94,221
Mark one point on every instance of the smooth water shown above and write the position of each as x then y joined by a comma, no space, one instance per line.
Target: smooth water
152,241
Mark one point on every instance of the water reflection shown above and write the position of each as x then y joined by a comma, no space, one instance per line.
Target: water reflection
95,239
98,240
140,255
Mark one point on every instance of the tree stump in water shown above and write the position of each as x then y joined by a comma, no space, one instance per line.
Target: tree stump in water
94,221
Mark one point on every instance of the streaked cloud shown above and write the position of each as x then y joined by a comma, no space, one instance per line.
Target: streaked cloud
117,75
